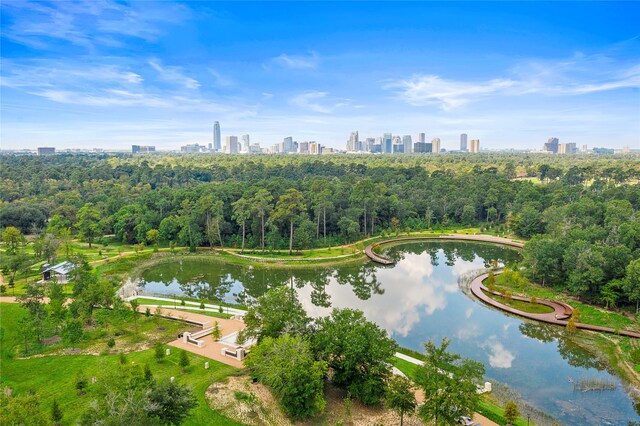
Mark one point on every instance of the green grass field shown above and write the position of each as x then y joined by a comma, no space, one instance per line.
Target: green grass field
53,377
533,308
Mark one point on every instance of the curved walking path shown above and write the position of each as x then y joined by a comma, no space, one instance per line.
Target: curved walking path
458,237
560,315
561,311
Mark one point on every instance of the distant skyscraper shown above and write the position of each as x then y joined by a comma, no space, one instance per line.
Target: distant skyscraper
245,143
421,147
463,142
287,145
552,145
217,142
369,144
304,147
46,151
387,143
408,145
191,148
475,145
354,142
231,147
435,145
422,138
142,149
567,148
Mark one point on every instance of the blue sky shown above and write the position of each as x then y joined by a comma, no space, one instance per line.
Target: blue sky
110,74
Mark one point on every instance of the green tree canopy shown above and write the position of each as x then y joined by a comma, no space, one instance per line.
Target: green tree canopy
450,384
287,365
358,351
275,313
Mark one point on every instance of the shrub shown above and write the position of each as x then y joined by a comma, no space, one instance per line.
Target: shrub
184,359
159,352
511,412
111,342
72,332
81,382
56,412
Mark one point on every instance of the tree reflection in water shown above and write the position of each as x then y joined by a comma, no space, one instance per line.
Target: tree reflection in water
575,355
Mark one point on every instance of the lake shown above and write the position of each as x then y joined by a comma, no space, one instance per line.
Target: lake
417,299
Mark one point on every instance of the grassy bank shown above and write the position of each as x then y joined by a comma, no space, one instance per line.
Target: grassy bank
53,377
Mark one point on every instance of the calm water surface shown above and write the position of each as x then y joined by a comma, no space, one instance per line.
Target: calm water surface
418,299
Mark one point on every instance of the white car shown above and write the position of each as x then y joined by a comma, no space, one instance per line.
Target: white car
465,421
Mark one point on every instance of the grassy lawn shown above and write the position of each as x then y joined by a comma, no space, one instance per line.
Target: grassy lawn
53,377
533,308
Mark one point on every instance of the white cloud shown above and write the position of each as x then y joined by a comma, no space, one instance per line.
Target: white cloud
88,23
53,73
219,79
500,357
468,331
420,90
173,75
578,75
468,312
310,61
308,100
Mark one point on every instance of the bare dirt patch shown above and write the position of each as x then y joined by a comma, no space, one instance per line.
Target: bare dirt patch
253,404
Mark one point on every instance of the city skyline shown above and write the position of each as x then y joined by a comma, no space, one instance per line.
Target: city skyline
119,74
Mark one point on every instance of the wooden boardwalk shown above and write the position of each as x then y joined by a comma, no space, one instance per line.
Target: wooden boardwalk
560,315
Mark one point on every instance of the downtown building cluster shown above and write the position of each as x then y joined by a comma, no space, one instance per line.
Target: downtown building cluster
395,144
553,146
243,145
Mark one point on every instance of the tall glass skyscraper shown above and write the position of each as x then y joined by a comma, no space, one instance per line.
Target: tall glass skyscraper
217,145
387,143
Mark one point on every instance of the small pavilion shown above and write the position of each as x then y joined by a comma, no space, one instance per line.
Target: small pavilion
59,272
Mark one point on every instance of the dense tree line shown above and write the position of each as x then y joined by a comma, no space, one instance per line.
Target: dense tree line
579,211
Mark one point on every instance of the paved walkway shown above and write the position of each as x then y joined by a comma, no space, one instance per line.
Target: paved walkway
561,311
460,237
211,349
